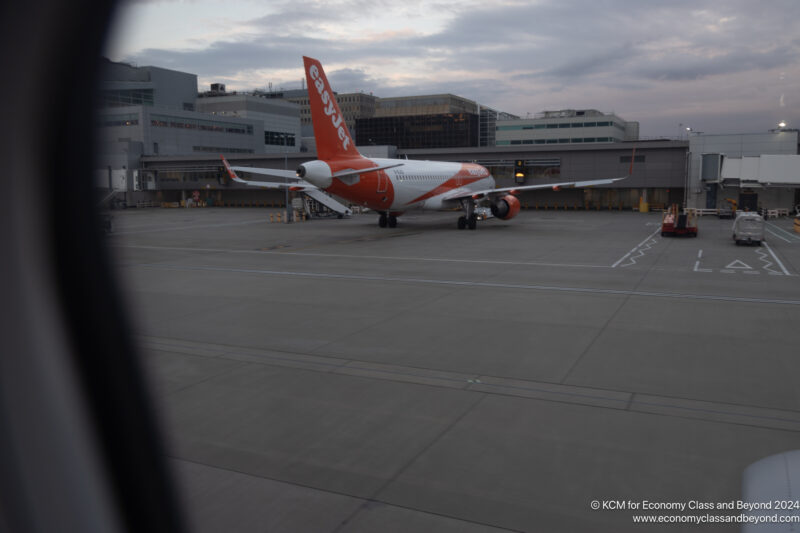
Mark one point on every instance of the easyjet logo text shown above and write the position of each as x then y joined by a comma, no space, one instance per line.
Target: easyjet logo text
328,107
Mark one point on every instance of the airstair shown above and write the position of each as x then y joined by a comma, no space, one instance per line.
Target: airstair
318,204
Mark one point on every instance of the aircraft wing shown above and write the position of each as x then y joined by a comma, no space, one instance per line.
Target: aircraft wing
291,174
296,185
268,172
463,193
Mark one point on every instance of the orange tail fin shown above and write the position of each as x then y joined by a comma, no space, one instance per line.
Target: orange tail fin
330,130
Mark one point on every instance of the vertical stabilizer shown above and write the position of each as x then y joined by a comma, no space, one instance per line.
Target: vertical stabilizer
330,130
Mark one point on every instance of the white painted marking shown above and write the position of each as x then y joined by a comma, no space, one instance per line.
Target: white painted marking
351,256
784,239
762,256
724,271
480,284
788,234
698,269
697,263
621,259
739,264
776,259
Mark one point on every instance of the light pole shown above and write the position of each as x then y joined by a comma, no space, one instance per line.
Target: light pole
287,218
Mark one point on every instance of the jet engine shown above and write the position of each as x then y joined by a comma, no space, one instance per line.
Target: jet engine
506,208
317,173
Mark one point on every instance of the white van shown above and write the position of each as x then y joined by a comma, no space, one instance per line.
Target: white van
748,228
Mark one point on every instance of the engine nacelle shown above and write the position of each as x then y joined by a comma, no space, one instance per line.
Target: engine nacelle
317,173
506,208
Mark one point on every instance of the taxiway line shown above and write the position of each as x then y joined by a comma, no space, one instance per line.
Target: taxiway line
484,284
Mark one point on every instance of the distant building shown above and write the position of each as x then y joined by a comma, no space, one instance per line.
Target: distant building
567,126
126,85
281,119
352,105
428,121
150,111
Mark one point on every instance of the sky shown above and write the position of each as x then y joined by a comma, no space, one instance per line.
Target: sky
716,66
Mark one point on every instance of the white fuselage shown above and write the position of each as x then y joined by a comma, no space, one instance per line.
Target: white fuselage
427,184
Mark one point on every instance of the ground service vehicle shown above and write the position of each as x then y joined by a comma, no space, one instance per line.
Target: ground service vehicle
675,223
748,227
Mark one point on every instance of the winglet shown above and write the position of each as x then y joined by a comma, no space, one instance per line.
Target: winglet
633,157
231,173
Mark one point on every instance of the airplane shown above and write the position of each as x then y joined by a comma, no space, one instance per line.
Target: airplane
392,186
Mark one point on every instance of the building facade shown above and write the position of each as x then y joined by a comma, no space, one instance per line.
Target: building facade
568,126
150,111
429,121
125,85
444,130
281,119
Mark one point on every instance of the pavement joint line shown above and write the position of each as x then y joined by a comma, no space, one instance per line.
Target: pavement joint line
482,284
349,256
412,460
718,412
630,401
476,383
474,386
338,493
228,353
162,229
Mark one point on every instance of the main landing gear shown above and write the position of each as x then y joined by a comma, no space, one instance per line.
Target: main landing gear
387,220
469,220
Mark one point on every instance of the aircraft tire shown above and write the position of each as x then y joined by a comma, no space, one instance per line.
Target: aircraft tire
383,220
462,222
472,223
392,221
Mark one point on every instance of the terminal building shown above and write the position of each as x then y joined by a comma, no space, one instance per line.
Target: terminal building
659,173
151,111
755,171
161,142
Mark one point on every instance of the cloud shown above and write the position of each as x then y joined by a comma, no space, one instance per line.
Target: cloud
638,58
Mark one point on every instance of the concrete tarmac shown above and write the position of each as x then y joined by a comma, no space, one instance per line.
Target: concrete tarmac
334,376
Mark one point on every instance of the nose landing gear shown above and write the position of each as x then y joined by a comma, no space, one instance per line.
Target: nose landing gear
387,220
